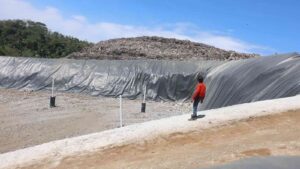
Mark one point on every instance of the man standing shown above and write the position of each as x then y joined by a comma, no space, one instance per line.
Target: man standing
198,96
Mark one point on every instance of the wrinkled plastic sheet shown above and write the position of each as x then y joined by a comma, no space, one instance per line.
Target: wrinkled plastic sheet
252,80
163,80
228,83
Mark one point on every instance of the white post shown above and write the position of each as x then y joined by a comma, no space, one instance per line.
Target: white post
144,100
143,108
121,113
52,87
145,91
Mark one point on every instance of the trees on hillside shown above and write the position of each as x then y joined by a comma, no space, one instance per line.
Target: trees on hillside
28,38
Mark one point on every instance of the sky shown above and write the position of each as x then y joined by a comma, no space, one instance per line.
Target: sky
250,26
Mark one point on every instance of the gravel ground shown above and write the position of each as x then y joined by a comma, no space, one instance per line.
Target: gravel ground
27,120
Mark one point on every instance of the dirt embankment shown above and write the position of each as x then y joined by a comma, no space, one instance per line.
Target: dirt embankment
277,134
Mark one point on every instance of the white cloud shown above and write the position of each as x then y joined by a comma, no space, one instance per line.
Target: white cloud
79,26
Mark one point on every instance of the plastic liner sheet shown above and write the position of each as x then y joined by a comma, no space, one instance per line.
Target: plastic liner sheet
162,80
252,80
228,83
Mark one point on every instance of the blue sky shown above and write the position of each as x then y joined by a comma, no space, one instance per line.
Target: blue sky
252,26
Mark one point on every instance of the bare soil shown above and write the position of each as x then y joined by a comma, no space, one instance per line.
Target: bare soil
26,119
277,134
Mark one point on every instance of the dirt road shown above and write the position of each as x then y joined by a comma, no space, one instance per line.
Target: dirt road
277,134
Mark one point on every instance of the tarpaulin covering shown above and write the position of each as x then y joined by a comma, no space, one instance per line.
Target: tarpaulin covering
166,80
254,79
227,83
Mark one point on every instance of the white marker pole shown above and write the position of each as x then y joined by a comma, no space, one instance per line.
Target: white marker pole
52,98
144,100
143,108
121,113
52,87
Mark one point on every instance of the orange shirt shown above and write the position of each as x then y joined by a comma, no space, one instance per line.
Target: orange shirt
200,91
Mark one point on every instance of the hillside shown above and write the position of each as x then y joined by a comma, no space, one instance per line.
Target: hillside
155,48
33,39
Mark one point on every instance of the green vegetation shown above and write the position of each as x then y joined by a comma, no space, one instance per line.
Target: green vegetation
33,39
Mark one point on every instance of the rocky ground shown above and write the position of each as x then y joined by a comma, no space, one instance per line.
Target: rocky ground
156,48
27,120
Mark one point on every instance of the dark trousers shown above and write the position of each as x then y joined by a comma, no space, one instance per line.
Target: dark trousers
195,106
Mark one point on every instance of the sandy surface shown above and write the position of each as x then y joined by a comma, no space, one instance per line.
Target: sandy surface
27,120
274,135
266,162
